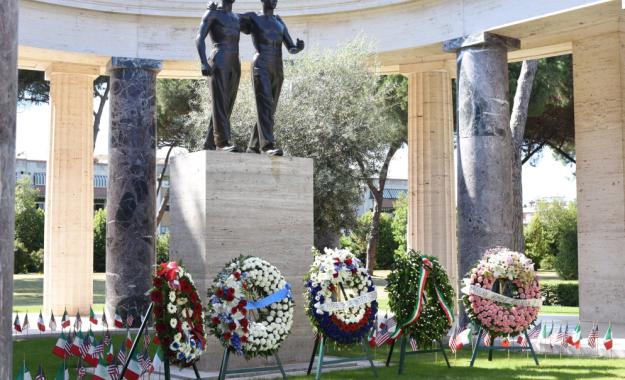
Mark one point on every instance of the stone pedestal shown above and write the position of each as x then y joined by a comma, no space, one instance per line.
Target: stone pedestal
431,191
484,146
223,205
599,77
8,103
68,243
131,193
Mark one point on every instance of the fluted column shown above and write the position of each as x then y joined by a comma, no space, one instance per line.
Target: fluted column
599,79
8,103
431,190
131,194
484,146
68,243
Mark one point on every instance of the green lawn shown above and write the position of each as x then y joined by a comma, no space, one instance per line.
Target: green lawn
559,310
427,366
28,292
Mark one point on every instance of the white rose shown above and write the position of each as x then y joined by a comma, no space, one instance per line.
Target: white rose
173,323
171,308
172,296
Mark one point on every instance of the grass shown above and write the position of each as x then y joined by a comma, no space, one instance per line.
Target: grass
28,292
517,366
39,352
427,366
559,310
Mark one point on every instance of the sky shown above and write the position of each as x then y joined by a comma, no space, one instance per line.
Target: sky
548,178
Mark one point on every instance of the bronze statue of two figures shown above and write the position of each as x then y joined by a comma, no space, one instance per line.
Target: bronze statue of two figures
224,69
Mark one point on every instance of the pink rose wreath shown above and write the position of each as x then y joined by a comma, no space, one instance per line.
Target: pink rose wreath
501,293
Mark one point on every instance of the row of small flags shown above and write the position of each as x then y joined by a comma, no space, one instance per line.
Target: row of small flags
383,328
65,321
546,335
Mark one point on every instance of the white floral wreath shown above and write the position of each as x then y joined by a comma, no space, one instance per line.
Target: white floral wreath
338,274
250,285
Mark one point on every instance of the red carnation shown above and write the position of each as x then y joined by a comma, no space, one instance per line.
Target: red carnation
215,321
335,275
237,275
232,326
160,328
156,296
227,336
234,310
244,322
242,303
219,292
243,339
157,282
348,261
230,297
156,340
354,270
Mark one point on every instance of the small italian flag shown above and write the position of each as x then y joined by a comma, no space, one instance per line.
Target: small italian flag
40,323
119,322
77,343
128,341
159,359
607,338
111,355
134,369
463,339
577,336
59,348
92,317
65,320
62,373
101,371
24,373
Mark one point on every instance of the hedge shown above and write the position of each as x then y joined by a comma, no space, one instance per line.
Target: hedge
559,292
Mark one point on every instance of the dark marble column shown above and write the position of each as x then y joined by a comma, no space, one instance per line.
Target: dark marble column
131,194
8,104
484,146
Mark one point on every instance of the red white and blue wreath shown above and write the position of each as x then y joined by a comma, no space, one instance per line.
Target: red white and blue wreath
340,296
178,314
250,307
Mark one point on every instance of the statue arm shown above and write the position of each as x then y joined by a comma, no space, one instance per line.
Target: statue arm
246,22
200,43
293,48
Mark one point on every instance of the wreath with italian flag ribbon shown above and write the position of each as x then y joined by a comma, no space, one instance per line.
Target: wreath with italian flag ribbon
178,315
421,298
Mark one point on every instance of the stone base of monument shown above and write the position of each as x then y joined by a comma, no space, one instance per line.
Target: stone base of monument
223,205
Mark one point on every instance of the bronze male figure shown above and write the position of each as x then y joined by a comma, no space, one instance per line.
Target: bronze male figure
268,32
224,70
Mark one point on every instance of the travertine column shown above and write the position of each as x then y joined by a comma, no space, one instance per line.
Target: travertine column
599,93
68,244
431,190
484,145
131,194
8,102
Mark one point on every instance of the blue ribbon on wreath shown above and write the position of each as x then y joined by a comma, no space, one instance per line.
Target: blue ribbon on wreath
272,298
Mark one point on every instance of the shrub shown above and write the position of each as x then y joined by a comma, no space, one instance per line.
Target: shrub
400,223
558,292
25,261
99,241
357,240
162,248
566,259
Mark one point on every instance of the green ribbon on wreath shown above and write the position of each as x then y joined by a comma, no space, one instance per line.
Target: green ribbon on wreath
426,268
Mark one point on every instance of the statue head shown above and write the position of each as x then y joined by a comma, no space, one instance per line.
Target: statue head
271,4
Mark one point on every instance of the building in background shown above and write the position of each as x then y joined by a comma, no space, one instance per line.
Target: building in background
36,171
394,189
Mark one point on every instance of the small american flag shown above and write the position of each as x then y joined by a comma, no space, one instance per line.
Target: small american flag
565,336
593,336
121,356
145,362
40,375
533,334
82,372
452,341
146,338
99,349
384,332
130,320
487,339
84,347
555,337
68,346
413,344
113,371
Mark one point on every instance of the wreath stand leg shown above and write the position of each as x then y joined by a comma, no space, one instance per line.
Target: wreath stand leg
314,353
223,369
135,343
321,362
403,353
492,347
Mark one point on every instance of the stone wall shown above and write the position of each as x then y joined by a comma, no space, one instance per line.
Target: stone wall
223,205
